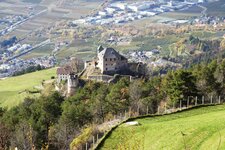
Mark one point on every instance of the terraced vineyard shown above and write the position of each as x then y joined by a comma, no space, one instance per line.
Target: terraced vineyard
201,128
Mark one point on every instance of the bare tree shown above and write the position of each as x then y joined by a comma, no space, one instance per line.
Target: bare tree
135,94
4,136
76,64
62,135
24,136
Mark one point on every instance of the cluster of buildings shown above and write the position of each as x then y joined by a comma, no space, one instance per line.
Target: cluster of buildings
17,65
121,12
15,49
151,58
10,22
208,20
143,56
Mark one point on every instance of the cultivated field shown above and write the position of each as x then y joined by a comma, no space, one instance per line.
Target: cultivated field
197,129
13,90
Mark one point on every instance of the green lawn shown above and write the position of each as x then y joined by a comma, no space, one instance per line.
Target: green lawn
12,89
203,129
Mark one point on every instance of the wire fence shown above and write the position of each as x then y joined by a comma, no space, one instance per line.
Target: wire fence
122,117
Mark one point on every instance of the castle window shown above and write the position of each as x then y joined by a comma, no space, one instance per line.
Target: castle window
106,59
106,64
106,69
110,59
114,59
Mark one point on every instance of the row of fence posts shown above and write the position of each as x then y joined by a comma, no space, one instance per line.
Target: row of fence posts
96,138
188,104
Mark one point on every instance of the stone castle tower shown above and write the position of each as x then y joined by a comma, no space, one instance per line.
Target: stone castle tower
72,83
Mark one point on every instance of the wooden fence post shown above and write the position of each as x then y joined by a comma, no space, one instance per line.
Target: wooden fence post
165,108
158,110
203,99
196,101
147,110
138,110
219,99
211,100
129,112
188,102
97,139
180,104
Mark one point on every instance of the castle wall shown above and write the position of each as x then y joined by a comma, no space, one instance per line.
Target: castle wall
113,64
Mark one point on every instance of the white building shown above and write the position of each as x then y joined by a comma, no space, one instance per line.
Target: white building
79,21
121,6
110,10
14,48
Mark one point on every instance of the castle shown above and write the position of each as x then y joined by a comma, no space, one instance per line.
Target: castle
108,60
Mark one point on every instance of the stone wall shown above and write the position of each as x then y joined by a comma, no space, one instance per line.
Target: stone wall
100,78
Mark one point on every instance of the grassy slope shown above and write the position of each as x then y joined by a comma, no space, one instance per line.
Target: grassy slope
11,89
202,127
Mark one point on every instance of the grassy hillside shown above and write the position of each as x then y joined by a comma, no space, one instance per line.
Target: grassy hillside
202,128
12,90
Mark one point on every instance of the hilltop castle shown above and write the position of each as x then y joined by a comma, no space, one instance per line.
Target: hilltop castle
108,60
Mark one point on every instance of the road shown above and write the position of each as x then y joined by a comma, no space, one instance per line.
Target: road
29,50
14,26
204,10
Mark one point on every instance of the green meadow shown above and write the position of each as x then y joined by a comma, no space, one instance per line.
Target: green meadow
197,129
13,89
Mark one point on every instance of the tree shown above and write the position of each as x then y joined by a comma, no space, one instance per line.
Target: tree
76,112
179,85
206,80
24,136
100,103
135,92
118,97
76,64
2,111
45,113
5,135
152,94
